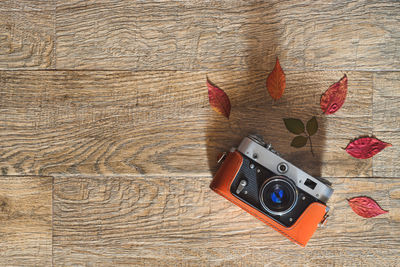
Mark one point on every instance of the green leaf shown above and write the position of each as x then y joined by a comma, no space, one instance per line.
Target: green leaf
299,141
295,126
312,126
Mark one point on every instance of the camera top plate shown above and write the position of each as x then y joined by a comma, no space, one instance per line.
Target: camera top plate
270,160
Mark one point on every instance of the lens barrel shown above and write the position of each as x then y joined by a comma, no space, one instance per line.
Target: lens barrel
278,195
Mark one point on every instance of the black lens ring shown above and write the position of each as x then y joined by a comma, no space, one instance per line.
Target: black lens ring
278,179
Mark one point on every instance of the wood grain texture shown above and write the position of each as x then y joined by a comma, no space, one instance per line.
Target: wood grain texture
27,40
110,98
71,122
386,112
47,6
148,220
25,221
209,35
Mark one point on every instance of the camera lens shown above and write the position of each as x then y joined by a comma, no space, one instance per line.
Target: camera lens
278,195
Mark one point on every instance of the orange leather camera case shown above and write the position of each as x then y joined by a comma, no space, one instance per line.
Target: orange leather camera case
300,232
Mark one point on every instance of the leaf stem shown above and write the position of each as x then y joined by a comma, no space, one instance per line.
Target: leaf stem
312,152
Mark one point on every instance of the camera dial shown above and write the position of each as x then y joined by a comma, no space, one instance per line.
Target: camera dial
282,167
278,195
258,139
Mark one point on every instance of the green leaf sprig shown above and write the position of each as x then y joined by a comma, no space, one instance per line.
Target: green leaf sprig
296,126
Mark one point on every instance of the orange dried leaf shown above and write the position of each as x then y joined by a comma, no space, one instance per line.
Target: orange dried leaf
276,81
333,98
365,207
219,100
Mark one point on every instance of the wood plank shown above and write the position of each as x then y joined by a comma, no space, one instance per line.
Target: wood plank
71,122
27,5
204,35
174,220
27,39
386,101
386,106
25,221
386,162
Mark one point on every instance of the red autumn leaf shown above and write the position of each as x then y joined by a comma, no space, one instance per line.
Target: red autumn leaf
219,101
276,81
333,98
365,207
365,147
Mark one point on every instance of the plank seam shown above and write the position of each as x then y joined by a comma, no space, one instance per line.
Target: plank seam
199,70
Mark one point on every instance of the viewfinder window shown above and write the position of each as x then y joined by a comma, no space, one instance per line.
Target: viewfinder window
310,184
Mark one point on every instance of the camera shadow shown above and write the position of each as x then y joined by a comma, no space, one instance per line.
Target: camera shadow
254,111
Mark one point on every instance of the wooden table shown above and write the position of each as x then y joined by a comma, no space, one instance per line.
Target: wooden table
108,143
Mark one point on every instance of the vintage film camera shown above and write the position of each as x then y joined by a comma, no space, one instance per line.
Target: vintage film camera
257,179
